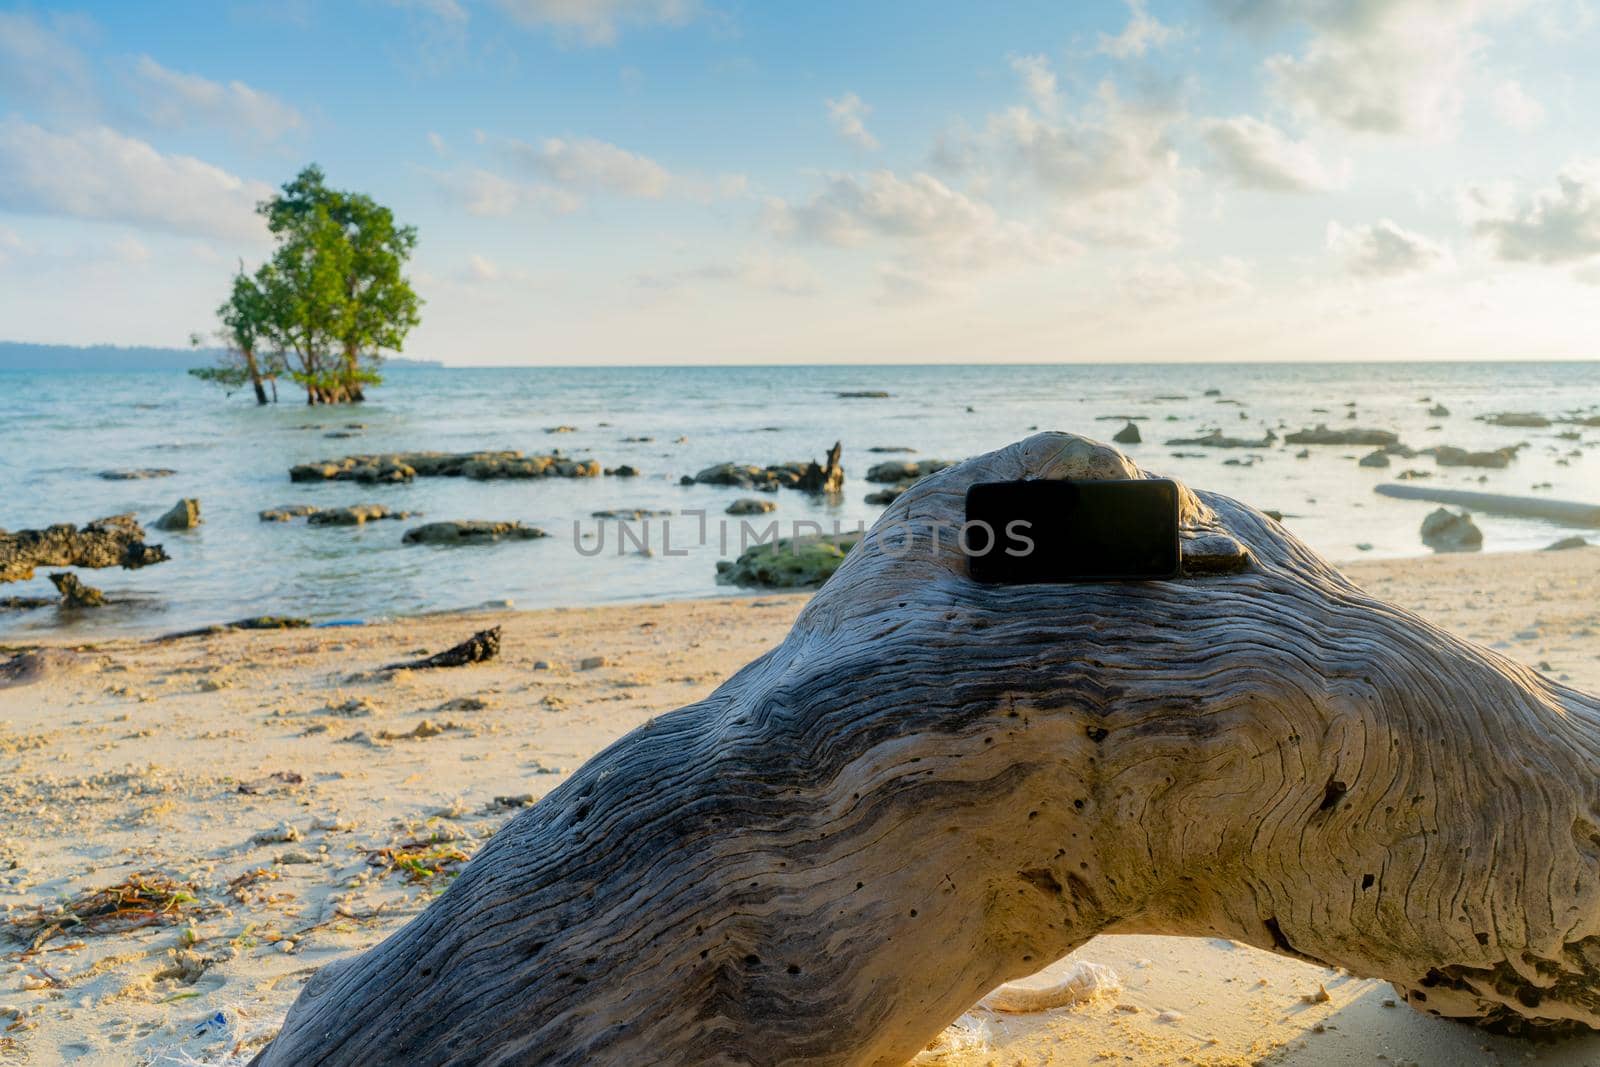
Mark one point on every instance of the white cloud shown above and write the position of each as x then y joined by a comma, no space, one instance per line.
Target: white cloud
444,10
1384,250
852,209
1392,67
1174,283
1111,145
1038,81
98,173
1143,32
489,195
437,143
1108,173
1514,107
849,114
596,21
175,99
129,249
1145,217
1258,155
480,269
785,275
10,244
585,166
903,286
1554,225
934,234
39,64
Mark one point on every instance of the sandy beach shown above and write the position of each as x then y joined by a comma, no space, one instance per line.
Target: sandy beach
304,805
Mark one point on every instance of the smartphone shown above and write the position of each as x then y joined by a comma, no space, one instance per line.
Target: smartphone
1029,532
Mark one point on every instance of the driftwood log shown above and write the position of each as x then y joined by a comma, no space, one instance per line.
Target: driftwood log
117,541
932,787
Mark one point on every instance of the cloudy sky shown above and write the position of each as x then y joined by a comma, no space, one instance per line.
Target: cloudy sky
688,181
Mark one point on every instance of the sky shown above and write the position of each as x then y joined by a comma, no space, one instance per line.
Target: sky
733,181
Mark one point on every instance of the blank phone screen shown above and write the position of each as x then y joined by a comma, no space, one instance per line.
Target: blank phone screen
1061,531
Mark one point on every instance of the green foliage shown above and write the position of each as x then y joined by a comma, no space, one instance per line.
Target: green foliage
333,297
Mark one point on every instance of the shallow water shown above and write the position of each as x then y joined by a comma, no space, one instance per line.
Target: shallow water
58,429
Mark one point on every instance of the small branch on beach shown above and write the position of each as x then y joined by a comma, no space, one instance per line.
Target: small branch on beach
933,787
481,646
117,541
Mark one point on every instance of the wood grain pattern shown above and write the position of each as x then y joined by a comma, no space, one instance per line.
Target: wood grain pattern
932,787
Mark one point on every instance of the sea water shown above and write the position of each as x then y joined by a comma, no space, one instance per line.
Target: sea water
57,430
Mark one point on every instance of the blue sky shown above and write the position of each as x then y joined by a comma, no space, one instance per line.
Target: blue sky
636,181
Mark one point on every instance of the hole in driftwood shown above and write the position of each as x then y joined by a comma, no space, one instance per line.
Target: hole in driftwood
1042,880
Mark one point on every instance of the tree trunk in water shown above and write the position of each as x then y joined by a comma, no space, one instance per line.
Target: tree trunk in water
255,375
933,786
352,370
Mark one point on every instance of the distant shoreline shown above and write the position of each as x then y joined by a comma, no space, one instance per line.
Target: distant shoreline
32,357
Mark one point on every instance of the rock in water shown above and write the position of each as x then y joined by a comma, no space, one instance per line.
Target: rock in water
1438,411
1128,435
470,532
885,497
1380,458
117,541
1218,439
749,505
138,474
285,512
357,515
185,515
788,563
892,471
1321,435
825,477
74,594
1519,419
1450,456
404,466
1566,543
481,646
1445,531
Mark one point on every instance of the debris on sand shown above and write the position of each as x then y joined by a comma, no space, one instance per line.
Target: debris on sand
39,664
254,622
422,730
147,898
418,861
1085,981
277,782
481,646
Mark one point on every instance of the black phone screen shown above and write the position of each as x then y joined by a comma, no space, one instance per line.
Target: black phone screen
1061,531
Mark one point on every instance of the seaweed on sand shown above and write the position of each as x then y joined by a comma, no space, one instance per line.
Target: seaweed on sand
419,861
147,898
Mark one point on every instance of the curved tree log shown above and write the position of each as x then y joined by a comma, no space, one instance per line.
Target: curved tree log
932,787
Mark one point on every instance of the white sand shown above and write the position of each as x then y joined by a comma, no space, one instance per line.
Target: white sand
130,756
